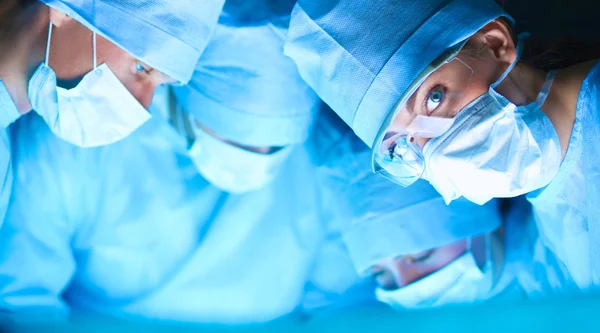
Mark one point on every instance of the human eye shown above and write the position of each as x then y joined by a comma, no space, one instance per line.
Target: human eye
434,99
141,68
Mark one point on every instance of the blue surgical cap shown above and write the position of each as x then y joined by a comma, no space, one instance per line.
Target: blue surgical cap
169,35
383,220
247,91
361,56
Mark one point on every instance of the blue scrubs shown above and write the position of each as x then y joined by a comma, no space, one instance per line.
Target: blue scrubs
535,269
132,229
567,211
8,114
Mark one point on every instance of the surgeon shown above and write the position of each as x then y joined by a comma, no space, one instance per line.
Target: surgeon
136,230
89,68
444,97
421,252
240,130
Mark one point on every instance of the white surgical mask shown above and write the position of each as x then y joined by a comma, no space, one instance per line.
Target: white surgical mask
494,149
234,169
98,111
461,281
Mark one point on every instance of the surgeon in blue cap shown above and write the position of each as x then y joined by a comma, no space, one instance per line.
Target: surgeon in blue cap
443,96
241,120
134,229
89,68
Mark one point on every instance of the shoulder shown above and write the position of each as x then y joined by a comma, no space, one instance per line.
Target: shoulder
38,153
49,173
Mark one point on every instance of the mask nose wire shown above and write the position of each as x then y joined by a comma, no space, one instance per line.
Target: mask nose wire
48,43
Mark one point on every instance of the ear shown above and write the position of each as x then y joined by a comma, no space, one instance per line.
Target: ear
59,18
497,37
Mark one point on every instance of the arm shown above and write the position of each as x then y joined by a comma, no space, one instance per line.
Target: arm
36,261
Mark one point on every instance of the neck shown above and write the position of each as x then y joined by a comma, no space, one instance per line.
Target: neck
21,56
522,85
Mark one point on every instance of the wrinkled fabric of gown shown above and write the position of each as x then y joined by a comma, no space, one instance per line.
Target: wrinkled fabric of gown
132,229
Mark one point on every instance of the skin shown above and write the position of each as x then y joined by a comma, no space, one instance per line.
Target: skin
494,52
403,270
70,57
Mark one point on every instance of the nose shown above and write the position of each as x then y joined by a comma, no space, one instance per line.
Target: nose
403,273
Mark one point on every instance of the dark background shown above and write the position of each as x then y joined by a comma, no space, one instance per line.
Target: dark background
548,20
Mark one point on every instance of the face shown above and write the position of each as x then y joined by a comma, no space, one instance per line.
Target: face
403,270
71,57
446,91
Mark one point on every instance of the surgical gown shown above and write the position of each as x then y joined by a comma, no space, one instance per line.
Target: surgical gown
132,230
8,114
334,285
537,272
567,211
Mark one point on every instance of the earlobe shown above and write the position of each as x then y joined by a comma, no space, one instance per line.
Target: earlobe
58,18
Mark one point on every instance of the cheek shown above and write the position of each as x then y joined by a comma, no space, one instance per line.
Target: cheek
421,142
484,75
473,91
122,64
142,90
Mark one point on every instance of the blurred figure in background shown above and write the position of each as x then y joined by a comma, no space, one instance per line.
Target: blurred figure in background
81,66
246,109
420,252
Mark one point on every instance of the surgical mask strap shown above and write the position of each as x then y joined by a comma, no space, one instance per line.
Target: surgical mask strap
541,99
520,46
48,43
94,48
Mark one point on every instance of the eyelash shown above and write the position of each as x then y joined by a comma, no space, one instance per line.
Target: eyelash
424,103
422,258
